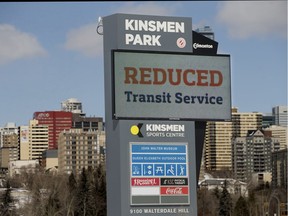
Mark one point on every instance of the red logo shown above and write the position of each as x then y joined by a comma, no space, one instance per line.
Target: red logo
145,181
174,190
181,42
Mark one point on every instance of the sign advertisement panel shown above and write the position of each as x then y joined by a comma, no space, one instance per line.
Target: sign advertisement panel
171,86
142,32
159,174
161,169
156,82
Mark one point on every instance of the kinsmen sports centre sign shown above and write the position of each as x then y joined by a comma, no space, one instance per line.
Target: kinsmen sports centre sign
171,86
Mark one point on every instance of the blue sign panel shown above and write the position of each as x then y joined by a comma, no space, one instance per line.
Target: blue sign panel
159,173
144,148
156,159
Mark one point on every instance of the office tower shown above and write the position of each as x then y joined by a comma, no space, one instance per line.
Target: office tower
279,132
72,105
206,31
218,146
219,135
279,169
9,128
57,121
79,149
268,120
9,149
24,142
87,123
38,139
280,114
252,153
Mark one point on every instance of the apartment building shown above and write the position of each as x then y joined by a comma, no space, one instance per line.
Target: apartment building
24,142
279,169
217,149
78,149
9,128
87,123
38,139
281,133
9,149
252,154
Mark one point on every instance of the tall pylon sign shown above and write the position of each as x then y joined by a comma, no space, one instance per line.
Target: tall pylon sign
158,95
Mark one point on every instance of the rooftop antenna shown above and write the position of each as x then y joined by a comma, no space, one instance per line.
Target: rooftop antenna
99,28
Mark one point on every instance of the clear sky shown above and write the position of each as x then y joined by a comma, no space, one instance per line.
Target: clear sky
50,51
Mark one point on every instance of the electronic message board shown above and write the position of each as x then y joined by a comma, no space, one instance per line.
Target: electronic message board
171,86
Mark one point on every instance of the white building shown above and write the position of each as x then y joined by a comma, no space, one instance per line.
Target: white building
16,166
233,186
71,105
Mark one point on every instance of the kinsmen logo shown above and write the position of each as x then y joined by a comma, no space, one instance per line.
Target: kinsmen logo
136,130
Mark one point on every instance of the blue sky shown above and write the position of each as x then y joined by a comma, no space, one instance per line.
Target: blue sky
50,51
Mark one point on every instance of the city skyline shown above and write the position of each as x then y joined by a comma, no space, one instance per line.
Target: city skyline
51,52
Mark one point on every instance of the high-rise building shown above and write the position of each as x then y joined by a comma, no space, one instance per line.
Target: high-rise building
9,149
72,105
9,128
280,113
57,121
38,139
279,169
24,142
217,155
80,149
252,153
206,31
268,120
87,123
281,133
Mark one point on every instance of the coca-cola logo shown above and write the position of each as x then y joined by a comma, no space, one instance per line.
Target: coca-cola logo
174,190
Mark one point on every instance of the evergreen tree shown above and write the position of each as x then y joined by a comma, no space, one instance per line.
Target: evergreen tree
53,205
102,209
92,204
6,202
82,195
216,192
241,208
72,194
97,193
225,202
251,202
72,184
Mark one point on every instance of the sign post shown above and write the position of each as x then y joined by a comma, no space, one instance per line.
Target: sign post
155,89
